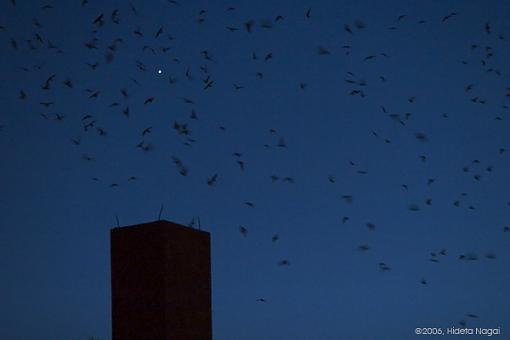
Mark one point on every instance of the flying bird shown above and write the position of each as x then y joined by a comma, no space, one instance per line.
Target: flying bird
283,263
212,180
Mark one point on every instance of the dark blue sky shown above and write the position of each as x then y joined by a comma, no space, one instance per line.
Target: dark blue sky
422,72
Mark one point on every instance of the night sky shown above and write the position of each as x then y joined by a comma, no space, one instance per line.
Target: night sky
350,159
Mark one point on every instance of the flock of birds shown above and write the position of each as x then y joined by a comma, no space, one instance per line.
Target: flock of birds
160,42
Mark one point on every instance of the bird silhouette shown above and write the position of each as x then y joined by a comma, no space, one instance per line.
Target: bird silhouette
283,263
212,180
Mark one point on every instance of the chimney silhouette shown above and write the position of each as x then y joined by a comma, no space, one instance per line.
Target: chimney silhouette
161,282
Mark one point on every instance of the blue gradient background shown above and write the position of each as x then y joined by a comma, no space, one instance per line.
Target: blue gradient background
55,220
